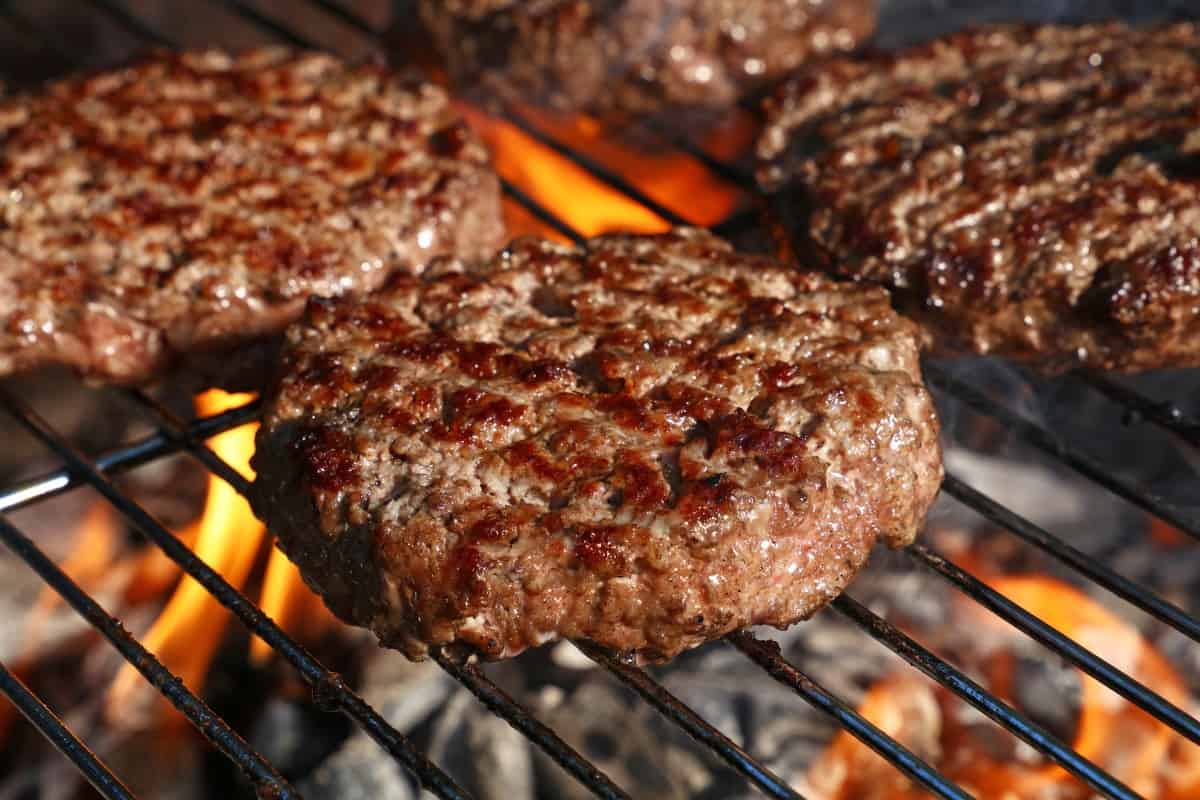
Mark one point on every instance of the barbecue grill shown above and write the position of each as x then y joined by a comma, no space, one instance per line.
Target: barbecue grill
174,435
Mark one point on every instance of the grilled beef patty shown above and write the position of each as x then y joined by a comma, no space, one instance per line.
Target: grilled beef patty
645,443
188,204
1027,191
636,57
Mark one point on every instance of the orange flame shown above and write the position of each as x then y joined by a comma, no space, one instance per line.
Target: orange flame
228,538
93,552
1138,750
287,599
674,179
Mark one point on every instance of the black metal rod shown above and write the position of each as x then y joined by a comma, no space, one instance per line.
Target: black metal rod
594,168
265,778
124,458
542,213
328,687
1132,690
767,655
1000,712
1119,585
266,23
739,223
692,723
1046,442
346,16
731,174
131,23
58,734
172,426
498,702
1138,406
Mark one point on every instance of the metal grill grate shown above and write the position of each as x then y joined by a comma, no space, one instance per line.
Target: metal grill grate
174,435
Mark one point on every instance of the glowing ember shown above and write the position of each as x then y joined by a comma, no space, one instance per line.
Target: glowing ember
227,537
1138,750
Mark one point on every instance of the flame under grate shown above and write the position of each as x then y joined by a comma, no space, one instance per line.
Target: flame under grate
174,435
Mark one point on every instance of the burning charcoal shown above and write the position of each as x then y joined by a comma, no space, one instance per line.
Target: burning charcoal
361,770
488,757
1049,691
630,743
403,691
294,736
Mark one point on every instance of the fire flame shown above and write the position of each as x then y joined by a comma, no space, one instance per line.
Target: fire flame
288,600
228,538
673,179
1137,749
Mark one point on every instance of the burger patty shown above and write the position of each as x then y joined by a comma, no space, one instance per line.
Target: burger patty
188,204
637,57
1026,191
646,443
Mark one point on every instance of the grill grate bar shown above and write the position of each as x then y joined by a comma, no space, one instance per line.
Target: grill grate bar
542,213
172,426
55,730
1118,584
692,723
767,655
266,23
501,704
732,174
1046,442
265,778
1132,690
134,455
970,691
328,687
594,168
736,224
121,15
346,16
1139,407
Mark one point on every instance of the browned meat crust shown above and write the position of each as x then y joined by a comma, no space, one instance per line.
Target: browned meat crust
647,444
637,57
191,203
1028,191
